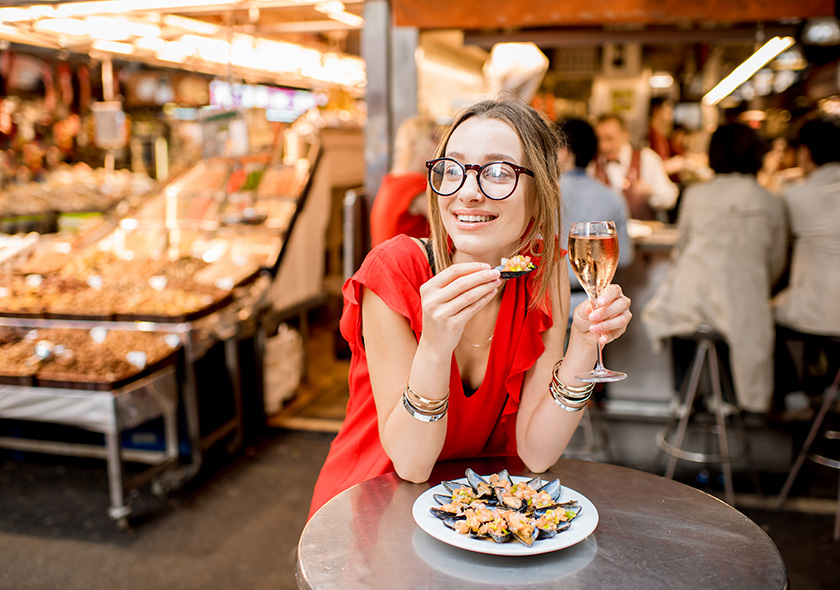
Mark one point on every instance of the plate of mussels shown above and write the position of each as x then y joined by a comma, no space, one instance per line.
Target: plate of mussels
502,514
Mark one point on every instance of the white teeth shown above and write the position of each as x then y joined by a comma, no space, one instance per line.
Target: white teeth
474,218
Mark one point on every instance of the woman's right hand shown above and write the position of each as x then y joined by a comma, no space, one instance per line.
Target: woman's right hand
452,297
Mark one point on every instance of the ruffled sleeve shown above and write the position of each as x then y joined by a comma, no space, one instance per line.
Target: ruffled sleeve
394,270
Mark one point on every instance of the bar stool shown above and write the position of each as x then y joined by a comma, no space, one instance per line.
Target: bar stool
684,416
830,396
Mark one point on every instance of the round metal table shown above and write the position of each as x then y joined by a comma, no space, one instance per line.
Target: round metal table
652,533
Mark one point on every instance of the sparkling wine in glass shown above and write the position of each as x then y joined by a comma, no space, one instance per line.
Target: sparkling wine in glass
593,251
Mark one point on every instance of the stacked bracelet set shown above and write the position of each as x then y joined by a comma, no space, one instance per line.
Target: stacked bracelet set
423,409
572,399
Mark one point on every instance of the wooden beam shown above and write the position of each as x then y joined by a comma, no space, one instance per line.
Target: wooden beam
502,14
592,36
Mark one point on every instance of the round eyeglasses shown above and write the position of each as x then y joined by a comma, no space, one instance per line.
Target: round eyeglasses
497,180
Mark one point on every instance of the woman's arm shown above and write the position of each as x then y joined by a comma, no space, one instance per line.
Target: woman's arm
394,356
543,429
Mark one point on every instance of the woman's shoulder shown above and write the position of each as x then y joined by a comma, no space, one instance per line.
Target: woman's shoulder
401,255
400,246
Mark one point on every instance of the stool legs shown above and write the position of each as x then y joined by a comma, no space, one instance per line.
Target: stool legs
691,392
830,396
742,433
720,419
706,351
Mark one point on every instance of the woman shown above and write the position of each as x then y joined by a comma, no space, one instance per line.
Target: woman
399,206
449,360
730,251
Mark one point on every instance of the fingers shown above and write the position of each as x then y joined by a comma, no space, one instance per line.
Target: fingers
452,296
462,276
461,286
610,320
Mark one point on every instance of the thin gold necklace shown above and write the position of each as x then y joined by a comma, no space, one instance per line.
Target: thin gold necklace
489,340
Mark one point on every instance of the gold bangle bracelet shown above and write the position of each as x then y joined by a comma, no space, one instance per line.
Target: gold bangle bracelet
571,399
420,401
561,389
573,389
418,414
557,394
568,408
569,404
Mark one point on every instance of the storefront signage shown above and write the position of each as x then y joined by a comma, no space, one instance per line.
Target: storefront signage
286,104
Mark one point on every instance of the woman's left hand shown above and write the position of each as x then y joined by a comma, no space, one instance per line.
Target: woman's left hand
608,320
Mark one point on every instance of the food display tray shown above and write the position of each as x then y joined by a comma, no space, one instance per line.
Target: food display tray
177,319
79,384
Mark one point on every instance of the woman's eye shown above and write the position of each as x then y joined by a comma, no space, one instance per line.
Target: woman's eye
497,173
452,170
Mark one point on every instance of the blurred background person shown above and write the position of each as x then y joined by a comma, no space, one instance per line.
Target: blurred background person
637,173
810,305
586,199
678,140
400,204
780,169
662,137
730,251
661,123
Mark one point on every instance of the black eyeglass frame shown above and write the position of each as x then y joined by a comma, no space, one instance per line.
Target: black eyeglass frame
477,169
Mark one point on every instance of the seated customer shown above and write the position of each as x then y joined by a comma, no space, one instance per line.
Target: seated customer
586,199
637,174
809,305
400,203
730,251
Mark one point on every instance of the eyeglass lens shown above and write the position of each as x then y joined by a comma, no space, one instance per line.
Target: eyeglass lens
497,180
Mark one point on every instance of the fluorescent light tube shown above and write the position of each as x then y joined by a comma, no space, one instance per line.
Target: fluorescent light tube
744,72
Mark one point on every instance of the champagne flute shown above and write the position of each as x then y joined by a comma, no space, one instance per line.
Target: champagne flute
593,252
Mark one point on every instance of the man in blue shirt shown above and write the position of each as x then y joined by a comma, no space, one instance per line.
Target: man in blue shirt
586,199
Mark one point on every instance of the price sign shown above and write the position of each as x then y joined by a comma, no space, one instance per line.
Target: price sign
109,130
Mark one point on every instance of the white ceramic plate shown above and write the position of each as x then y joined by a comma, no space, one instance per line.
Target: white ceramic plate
581,528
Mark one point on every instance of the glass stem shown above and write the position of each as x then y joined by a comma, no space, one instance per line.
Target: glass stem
599,365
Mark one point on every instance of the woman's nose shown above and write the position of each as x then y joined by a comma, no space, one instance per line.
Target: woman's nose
470,191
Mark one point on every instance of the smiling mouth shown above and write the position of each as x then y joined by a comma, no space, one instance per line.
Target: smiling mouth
475,218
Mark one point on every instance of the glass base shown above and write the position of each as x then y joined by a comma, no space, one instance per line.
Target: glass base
601,376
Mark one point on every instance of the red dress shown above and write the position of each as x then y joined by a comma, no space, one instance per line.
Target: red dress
389,215
482,425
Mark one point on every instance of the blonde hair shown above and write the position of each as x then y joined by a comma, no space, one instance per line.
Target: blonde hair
413,133
540,143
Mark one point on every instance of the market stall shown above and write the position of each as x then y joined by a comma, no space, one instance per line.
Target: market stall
167,195
189,268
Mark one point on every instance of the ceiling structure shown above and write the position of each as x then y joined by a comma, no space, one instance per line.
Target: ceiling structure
503,14
290,42
332,29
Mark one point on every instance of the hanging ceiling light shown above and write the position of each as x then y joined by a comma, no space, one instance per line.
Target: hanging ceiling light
336,11
745,71
661,80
